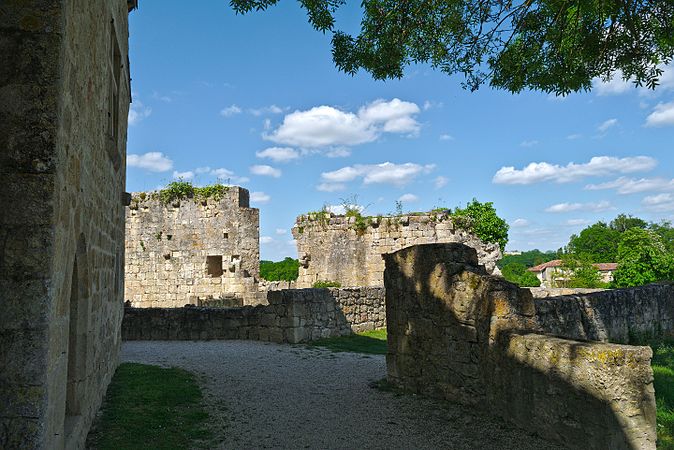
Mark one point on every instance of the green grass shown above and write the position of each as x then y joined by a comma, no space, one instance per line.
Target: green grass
150,407
663,371
369,342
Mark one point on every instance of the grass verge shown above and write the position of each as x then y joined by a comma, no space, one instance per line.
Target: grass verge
150,407
369,342
663,372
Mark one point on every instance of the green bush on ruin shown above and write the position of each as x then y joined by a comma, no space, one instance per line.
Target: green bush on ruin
326,284
180,190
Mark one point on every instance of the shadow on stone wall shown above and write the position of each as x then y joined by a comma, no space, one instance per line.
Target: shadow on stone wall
292,316
456,333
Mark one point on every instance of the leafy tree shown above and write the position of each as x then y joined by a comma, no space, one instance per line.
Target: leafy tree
596,243
286,270
481,219
546,45
623,223
529,258
517,273
580,273
642,259
665,230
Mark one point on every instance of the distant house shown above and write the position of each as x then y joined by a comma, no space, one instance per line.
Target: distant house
552,272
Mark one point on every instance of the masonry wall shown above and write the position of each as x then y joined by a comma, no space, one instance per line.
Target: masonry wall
62,160
628,316
192,250
292,316
457,333
336,248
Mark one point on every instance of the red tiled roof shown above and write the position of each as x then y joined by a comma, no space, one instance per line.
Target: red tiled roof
606,267
542,267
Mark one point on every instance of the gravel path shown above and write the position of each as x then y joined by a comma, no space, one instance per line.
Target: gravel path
263,395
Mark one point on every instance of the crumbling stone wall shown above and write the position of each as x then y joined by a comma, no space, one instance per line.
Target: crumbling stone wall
339,248
191,250
292,316
64,97
626,316
457,333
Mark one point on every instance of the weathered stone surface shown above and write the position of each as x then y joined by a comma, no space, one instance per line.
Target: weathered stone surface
293,315
626,316
61,218
334,248
167,248
457,333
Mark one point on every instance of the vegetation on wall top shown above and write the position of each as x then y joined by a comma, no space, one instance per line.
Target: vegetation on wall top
180,190
477,217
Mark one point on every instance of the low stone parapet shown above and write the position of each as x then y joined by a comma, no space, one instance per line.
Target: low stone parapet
292,316
457,333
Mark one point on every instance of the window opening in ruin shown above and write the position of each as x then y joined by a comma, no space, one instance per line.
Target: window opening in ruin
225,235
214,265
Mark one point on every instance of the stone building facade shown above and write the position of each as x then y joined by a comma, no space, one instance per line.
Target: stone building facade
64,100
349,251
192,251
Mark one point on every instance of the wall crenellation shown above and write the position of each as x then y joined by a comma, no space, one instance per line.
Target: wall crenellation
349,249
192,250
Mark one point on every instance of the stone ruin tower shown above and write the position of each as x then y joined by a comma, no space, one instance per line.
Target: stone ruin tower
201,251
349,249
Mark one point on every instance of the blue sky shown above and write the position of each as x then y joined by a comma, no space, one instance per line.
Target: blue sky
255,100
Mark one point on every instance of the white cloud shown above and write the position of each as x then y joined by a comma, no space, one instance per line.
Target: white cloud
338,152
440,182
271,109
152,161
259,197
659,203
200,170
574,136
163,98
597,166
266,240
137,111
281,231
326,126
446,137
618,85
187,175
408,198
604,126
279,154
264,170
577,222
624,185
530,143
331,187
341,209
230,111
430,104
614,86
662,115
386,173
224,175
520,223
568,207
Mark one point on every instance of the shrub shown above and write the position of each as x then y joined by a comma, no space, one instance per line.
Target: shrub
326,284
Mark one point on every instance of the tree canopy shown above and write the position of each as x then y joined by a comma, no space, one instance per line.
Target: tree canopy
286,270
555,46
642,259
